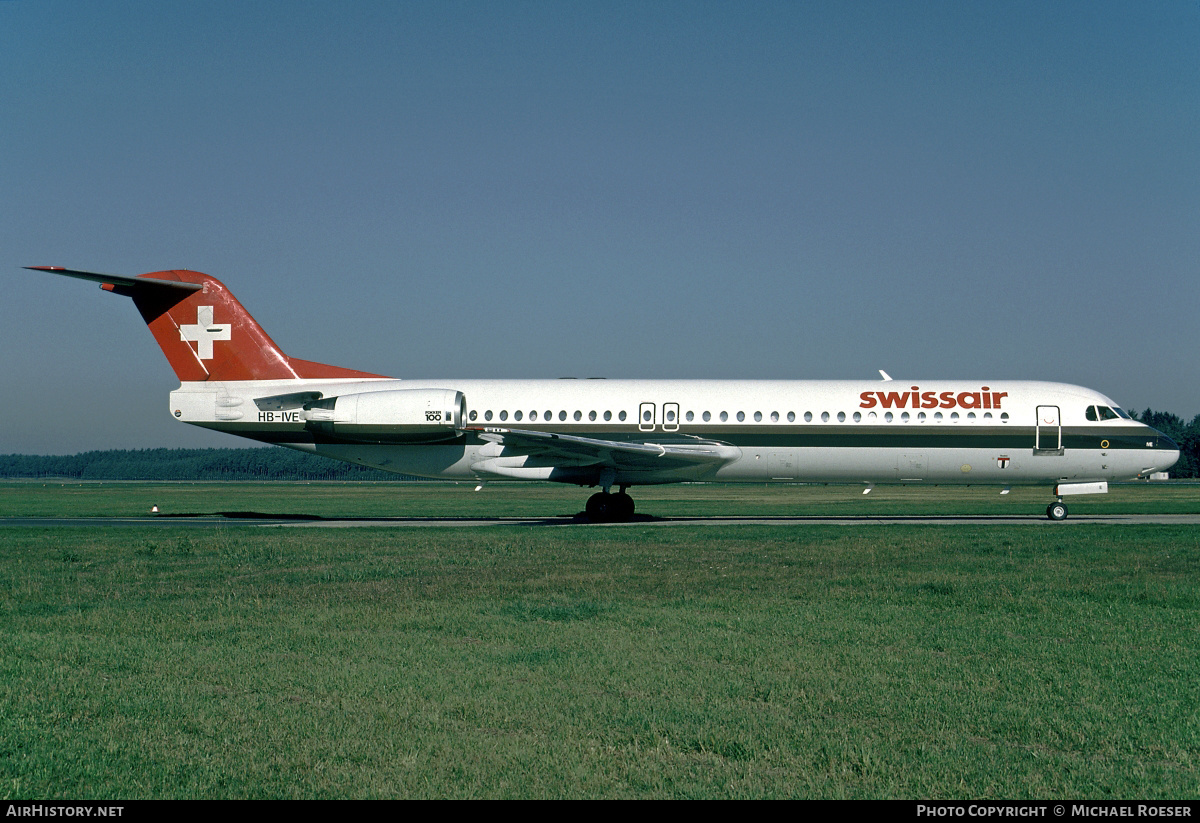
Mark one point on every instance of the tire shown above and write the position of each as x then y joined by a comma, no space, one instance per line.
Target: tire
1057,511
622,506
599,507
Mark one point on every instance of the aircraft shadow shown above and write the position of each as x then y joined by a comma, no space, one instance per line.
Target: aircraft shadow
581,518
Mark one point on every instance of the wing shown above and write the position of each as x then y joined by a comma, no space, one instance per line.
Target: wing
519,452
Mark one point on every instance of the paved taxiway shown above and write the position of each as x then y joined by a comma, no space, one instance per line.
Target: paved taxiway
566,521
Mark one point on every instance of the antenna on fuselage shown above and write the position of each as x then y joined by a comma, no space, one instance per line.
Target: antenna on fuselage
887,377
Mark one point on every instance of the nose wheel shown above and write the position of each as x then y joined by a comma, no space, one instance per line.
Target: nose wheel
1057,510
605,507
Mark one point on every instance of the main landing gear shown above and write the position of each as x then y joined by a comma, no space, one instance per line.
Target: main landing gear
605,507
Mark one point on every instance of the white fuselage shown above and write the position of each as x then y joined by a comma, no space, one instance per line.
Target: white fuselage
926,431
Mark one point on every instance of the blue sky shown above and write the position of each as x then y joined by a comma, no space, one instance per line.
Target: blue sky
624,189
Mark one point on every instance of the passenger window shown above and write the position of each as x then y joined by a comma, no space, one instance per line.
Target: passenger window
724,416
487,415
504,415
741,416
608,415
562,415
707,416
578,415
808,417
474,414
591,415
791,417
824,417
621,416
517,415
758,417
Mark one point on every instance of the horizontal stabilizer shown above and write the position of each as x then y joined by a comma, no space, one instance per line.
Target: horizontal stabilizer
121,280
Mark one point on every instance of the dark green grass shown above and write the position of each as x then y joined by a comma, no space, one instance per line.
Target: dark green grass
335,500
745,661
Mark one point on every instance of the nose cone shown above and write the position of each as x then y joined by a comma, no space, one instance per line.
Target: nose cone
1166,452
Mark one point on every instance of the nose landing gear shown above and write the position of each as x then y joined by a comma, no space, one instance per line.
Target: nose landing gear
1057,510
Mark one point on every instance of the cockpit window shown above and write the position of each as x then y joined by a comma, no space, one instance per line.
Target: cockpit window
1124,415
1105,413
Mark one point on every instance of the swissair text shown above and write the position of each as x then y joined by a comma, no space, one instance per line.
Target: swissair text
985,398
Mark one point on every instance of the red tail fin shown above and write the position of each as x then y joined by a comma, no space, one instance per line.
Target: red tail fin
204,331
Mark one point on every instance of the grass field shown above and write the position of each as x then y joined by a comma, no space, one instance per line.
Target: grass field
734,661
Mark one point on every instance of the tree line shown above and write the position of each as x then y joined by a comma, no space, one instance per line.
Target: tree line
285,464
188,464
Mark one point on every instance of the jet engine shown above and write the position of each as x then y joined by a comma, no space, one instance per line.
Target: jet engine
396,416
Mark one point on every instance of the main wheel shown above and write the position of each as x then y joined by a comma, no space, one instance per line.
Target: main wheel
609,508
600,507
1057,511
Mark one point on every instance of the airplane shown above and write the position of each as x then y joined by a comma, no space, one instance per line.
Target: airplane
624,433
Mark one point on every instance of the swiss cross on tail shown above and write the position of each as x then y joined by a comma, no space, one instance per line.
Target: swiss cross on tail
203,332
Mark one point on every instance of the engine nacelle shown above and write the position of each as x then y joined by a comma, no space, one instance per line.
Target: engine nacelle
397,416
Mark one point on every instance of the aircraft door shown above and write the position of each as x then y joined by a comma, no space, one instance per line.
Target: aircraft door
782,465
912,468
646,417
1048,438
670,422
